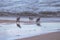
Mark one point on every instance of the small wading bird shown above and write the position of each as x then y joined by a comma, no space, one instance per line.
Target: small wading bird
18,22
30,18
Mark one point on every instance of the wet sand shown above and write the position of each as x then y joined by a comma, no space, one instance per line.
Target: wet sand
7,21
14,21
49,36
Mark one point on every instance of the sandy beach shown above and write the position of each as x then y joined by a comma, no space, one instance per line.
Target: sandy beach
49,36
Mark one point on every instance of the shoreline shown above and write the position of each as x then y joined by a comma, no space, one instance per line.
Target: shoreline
14,21
48,36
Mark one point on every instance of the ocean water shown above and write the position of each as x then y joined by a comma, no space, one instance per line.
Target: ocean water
29,5
9,31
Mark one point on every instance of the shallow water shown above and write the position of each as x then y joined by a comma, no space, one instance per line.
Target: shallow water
11,31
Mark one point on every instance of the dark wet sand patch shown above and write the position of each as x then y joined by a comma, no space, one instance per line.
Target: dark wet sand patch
49,36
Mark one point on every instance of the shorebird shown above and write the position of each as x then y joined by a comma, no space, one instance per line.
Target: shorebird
18,21
38,21
30,18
